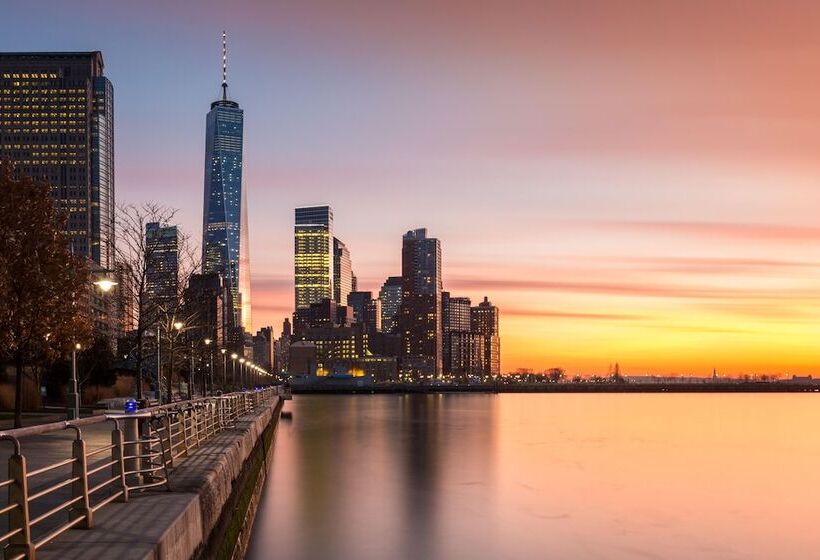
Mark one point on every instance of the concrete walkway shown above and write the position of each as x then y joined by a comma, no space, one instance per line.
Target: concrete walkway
168,525
47,449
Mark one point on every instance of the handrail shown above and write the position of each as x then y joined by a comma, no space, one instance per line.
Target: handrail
144,448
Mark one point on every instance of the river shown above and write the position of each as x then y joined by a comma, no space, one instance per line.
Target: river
563,476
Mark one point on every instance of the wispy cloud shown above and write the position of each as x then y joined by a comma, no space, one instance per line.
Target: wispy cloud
546,313
735,231
630,289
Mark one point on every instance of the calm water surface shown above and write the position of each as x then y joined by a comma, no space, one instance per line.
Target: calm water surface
544,476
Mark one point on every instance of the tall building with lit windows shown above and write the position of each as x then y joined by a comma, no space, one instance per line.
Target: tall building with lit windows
225,218
420,312
484,322
162,265
313,255
57,125
390,296
343,277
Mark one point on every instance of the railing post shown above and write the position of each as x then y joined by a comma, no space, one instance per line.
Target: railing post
185,432
19,517
146,448
166,421
118,455
79,488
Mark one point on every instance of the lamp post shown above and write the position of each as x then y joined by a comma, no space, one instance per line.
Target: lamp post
191,375
242,372
210,369
159,370
224,367
234,356
178,326
73,394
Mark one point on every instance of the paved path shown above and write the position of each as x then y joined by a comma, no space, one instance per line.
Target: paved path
125,531
47,449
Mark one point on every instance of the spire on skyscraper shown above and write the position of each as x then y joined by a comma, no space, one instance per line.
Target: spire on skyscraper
224,66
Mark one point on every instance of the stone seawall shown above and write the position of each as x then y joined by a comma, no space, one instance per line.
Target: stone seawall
207,491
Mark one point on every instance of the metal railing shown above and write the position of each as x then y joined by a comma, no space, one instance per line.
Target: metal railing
144,448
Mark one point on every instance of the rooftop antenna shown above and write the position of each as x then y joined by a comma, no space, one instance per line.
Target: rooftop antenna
224,66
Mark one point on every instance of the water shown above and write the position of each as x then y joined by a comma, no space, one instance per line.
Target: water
603,476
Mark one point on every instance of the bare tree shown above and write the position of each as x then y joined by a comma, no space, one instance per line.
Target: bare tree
151,317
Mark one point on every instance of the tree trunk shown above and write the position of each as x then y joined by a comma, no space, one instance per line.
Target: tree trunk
18,390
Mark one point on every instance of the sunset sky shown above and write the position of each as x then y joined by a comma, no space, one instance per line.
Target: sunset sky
632,182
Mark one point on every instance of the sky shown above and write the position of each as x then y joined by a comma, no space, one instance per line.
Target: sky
628,181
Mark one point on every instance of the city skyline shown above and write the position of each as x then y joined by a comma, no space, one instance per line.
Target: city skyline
653,226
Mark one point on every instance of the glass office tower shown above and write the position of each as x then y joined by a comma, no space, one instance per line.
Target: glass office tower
224,235
313,255
57,125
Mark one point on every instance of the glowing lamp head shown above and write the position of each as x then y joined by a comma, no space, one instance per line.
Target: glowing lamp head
241,360
78,346
234,356
105,284
223,350
131,406
207,342
178,325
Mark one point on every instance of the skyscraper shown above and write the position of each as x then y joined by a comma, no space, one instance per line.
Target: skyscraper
162,266
206,302
225,218
57,125
390,294
484,321
421,305
313,255
457,340
342,272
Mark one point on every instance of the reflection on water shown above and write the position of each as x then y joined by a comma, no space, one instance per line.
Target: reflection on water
543,476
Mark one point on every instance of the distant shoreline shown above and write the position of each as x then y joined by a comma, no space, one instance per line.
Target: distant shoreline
739,387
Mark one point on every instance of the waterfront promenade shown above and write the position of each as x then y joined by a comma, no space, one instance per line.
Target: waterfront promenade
186,476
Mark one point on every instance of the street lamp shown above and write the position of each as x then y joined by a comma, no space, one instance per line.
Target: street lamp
242,372
234,356
105,285
178,326
210,369
73,395
224,367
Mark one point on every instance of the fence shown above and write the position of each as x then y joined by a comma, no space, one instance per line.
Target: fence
145,447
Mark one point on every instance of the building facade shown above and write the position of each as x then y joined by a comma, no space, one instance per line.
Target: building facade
366,310
342,272
263,348
162,267
57,125
420,317
313,255
463,353
455,313
206,306
390,296
484,322
225,248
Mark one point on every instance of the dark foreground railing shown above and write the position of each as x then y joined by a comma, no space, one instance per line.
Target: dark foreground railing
145,447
